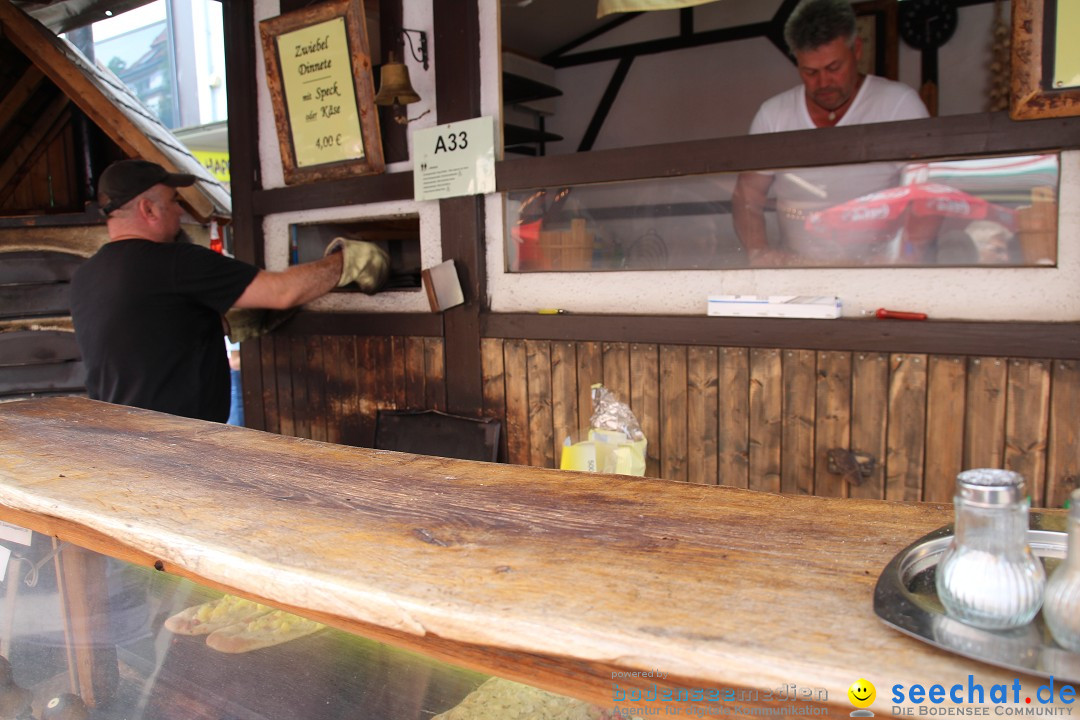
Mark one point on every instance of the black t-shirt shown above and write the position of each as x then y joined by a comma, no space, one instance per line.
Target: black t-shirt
147,319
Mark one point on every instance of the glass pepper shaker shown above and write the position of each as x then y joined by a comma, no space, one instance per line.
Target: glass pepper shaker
988,577
1061,602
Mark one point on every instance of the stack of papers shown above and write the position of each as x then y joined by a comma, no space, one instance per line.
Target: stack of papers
785,306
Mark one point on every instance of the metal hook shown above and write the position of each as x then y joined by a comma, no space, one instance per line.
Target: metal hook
423,57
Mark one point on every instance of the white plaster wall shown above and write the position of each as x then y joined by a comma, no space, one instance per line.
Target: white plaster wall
276,227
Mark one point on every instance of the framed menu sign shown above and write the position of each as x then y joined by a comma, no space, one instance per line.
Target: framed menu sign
1045,65
319,75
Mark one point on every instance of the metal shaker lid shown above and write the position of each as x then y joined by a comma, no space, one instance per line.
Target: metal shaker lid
990,487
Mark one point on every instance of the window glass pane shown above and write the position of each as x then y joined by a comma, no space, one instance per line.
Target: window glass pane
986,211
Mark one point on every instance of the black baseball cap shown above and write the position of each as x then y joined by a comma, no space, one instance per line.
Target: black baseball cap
125,179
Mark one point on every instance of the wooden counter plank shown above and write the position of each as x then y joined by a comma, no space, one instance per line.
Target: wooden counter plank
452,555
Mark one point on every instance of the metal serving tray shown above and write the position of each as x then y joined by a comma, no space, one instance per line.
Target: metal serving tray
905,598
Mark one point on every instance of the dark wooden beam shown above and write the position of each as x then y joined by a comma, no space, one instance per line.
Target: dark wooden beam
457,89
552,57
953,136
334,193
604,106
999,339
364,324
240,43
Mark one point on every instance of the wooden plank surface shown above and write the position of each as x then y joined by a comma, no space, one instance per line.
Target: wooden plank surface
645,400
494,373
869,418
701,418
733,421
590,370
484,563
833,420
945,408
541,425
1027,423
797,444
564,395
907,418
517,403
673,435
1063,463
984,431
766,419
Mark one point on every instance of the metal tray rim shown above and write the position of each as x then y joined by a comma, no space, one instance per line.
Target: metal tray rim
1029,650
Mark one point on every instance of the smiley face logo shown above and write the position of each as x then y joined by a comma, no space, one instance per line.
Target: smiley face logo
861,693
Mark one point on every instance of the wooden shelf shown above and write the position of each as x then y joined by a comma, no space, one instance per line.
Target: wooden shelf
519,89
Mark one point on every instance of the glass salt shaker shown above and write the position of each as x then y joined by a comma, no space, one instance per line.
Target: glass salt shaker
1061,602
988,577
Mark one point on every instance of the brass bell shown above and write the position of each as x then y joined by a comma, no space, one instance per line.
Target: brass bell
394,85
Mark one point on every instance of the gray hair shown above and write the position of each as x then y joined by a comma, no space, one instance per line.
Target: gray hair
818,22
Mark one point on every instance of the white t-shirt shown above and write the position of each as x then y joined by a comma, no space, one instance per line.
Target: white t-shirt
804,190
878,100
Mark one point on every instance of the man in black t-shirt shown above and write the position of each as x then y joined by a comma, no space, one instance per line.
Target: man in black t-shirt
147,309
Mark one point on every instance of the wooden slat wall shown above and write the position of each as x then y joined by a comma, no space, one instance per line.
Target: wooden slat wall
747,417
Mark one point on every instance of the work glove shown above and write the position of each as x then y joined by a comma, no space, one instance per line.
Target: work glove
363,263
246,323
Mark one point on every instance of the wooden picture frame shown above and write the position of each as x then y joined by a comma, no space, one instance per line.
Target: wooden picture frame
319,74
876,26
1034,31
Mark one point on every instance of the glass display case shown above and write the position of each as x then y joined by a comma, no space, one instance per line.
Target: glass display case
84,635
999,211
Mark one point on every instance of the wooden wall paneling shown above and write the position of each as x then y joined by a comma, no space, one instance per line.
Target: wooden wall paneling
251,374
733,417
270,396
564,396
384,374
315,371
906,431
332,386
946,402
798,368
541,423
367,380
435,374
303,412
283,373
869,416
984,428
350,428
517,403
673,421
645,400
494,373
1063,461
766,418
1027,423
400,394
590,370
702,406
617,369
833,422
415,392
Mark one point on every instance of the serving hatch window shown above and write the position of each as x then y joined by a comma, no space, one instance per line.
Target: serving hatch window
999,211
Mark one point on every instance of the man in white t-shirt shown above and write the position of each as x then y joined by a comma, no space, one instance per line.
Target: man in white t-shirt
822,36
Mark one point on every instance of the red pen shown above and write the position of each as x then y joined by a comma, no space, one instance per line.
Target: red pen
898,315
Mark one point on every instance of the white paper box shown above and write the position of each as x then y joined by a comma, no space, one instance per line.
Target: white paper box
783,306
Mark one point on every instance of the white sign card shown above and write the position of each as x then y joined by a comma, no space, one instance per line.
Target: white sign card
454,160
14,533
